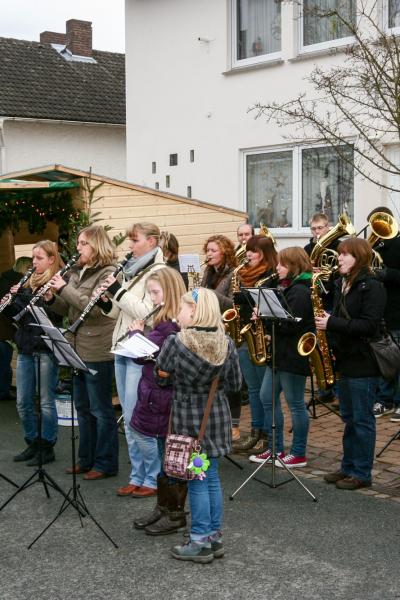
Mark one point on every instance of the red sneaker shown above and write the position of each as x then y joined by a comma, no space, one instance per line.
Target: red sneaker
293,462
260,458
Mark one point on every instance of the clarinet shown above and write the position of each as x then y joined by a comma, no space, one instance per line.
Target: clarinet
75,326
8,298
145,319
45,288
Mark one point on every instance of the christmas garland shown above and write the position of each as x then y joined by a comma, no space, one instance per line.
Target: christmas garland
36,208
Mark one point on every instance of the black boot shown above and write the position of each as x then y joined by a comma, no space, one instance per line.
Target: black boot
174,518
47,451
28,453
162,505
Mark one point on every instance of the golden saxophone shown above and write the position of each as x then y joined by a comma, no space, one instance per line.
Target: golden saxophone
231,317
315,346
254,334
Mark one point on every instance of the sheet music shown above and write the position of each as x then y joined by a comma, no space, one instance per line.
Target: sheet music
269,305
137,346
189,262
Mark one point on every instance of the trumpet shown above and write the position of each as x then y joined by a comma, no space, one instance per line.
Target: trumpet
8,298
75,326
45,288
145,319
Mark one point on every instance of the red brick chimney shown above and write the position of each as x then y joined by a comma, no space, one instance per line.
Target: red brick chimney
51,37
79,37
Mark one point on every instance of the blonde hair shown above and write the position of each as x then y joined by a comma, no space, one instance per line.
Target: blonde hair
103,248
173,288
38,279
144,227
207,312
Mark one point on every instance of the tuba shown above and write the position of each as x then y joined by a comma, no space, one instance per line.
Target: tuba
315,346
383,227
324,257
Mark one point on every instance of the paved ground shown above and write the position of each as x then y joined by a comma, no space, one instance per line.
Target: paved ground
280,545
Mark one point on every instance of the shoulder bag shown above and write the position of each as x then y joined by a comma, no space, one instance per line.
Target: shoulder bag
179,448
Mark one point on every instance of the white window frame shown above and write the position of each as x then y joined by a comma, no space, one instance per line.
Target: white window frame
297,229
337,43
253,60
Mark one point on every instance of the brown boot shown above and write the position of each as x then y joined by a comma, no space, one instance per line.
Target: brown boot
247,442
174,518
162,504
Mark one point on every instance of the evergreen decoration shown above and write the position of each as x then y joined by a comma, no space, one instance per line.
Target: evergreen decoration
37,207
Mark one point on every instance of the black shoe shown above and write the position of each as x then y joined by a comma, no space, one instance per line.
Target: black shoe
10,396
47,457
26,454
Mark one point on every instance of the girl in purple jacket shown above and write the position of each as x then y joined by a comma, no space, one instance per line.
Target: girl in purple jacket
150,417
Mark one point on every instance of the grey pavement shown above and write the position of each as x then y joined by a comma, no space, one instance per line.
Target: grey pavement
280,545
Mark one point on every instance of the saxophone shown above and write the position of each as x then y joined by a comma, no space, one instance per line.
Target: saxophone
315,346
231,317
254,333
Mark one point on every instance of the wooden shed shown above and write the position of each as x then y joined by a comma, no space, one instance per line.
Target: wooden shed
117,203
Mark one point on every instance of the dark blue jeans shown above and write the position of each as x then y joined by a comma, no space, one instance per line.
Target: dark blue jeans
6,353
98,435
253,376
357,397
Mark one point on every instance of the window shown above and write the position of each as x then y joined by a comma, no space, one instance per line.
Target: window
321,24
256,30
157,185
393,13
173,160
154,167
189,191
167,181
192,156
284,188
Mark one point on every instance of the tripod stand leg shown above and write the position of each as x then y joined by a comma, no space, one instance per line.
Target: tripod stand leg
234,462
26,484
290,472
8,480
396,436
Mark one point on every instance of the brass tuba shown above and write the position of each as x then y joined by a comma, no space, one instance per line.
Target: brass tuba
383,227
321,255
315,346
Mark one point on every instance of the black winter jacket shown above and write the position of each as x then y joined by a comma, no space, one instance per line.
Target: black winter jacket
390,276
356,316
288,332
27,336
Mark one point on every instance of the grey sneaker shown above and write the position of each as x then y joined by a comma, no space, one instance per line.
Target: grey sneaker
395,418
217,545
198,552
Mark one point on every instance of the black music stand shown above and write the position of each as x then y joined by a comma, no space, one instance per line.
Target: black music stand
8,480
394,437
66,356
40,475
271,310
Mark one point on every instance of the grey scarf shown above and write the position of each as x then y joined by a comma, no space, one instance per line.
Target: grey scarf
135,265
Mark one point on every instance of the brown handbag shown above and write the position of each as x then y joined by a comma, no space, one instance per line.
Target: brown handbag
179,448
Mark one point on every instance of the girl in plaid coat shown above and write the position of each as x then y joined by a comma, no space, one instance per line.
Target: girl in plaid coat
191,360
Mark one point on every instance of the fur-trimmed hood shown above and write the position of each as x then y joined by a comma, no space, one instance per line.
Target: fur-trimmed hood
211,346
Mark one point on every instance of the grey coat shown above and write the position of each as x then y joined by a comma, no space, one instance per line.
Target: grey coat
93,338
192,366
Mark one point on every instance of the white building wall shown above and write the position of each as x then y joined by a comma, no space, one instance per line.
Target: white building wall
30,144
182,95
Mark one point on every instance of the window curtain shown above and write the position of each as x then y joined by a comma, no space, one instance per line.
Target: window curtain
317,28
394,13
327,184
258,27
270,189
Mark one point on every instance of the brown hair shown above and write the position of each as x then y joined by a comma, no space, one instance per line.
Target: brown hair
103,248
226,246
362,252
319,217
38,279
169,245
144,227
296,260
173,288
263,245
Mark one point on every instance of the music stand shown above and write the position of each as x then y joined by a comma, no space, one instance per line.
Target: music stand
270,309
8,480
66,357
40,475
